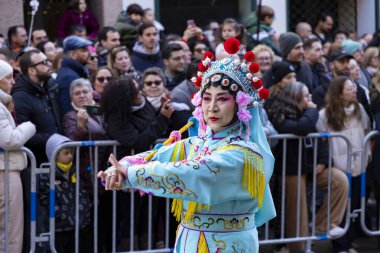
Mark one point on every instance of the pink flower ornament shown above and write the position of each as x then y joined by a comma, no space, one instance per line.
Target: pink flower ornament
244,115
243,99
197,99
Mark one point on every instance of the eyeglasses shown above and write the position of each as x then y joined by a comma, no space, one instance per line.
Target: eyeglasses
263,58
103,78
44,62
149,83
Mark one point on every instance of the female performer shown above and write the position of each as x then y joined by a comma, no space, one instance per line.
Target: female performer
219,178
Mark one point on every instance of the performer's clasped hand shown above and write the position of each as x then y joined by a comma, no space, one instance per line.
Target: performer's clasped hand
114,177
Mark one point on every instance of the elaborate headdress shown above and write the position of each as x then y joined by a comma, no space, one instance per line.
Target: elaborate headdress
239,77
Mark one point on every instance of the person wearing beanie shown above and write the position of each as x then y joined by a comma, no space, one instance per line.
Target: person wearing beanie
287,42
355,49
351,46
12,138
65,195
283,74
292,52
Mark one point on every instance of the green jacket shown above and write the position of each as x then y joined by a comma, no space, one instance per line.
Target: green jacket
265,32
127,29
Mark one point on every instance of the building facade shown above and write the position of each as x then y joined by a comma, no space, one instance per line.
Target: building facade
352,15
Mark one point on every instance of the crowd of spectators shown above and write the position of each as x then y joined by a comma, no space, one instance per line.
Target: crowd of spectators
131,82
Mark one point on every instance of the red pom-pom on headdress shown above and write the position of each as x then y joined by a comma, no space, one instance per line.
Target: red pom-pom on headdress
264,93
258,84
232,45
254,67
201,67
209,54
249,56
198,81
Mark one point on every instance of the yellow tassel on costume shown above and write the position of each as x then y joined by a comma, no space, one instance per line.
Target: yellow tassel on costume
253,173
202,244
191,207
177,208
253,178
177,205
179,149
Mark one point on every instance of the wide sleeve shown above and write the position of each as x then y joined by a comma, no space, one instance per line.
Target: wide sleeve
14,138
201,179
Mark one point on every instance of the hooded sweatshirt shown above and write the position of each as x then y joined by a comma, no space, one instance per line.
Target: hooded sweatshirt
141,59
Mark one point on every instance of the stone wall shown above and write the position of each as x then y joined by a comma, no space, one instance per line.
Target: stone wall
11,13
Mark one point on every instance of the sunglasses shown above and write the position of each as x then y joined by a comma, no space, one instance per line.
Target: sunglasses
103,78
93,57
44,62
198,50
149,83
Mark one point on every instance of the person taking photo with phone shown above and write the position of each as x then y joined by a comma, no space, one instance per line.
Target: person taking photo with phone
81,124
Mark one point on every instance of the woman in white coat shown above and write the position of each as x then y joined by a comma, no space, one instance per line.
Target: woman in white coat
12,138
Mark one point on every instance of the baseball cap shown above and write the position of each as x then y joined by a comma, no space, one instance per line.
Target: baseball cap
339,55
73,42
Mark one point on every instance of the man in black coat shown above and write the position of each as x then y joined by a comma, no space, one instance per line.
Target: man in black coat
73,67
34,96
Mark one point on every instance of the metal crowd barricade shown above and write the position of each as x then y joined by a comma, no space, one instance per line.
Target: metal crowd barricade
266,231
50,235
363,195
32,159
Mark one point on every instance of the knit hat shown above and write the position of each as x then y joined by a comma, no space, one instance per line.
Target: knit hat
53,143
351,46
5,69
287,42
281,69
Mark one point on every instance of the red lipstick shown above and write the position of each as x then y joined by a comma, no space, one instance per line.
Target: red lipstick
213,119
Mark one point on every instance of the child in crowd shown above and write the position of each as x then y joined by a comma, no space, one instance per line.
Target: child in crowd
65,188
230,28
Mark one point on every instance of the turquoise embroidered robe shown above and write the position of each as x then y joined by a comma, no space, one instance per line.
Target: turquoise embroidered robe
218,184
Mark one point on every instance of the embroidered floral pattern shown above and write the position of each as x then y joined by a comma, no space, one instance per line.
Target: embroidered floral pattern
171,184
